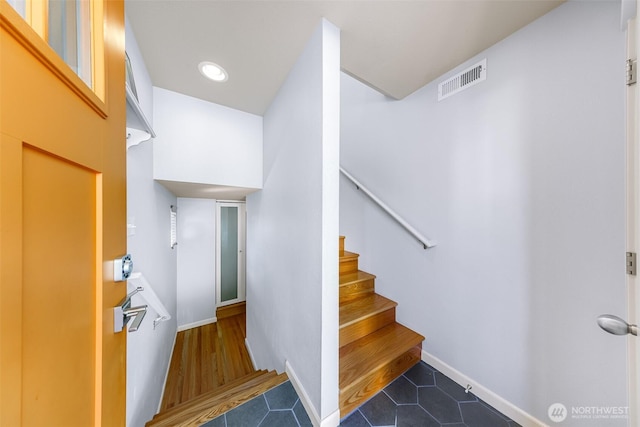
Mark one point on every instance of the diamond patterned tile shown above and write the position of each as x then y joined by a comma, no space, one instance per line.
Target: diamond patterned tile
496,411
402,391
279,419
452,388
356,419
380,410
301,415
248,414
477,414
415,416
420,374
439,404
283,396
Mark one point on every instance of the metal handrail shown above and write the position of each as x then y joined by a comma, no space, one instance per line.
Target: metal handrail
426,243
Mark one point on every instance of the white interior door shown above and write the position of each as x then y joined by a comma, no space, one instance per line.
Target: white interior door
230,252
615,323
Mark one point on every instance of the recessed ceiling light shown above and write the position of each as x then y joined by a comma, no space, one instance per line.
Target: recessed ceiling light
213,71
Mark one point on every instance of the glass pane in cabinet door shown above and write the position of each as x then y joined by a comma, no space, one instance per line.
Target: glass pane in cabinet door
69,34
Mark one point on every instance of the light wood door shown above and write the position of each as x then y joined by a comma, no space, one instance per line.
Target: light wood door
62,218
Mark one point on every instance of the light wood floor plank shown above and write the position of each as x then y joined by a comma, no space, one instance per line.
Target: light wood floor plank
206,358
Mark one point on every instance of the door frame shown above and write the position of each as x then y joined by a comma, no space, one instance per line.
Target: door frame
242,227
632,220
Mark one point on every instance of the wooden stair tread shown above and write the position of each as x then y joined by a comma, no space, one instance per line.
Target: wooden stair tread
374,351
167,413
349,256
207,407
351,278
226,403
363,307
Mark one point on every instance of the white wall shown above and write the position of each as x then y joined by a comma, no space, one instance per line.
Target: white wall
196,262
205,143
148,350
144,89
292,231
521,181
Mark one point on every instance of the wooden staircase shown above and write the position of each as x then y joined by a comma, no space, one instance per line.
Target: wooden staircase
374,348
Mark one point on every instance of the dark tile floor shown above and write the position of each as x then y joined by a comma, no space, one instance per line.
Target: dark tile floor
278,407
425,397
421,397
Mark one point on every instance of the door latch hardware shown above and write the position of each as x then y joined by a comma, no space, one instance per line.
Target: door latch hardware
616,326
122,268
123,312
632,73
631,263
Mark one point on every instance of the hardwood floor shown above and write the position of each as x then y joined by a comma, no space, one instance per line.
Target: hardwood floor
211,373
207,358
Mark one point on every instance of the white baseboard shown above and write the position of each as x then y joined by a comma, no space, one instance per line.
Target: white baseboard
166,374
507,408
196,324
333,420
253,360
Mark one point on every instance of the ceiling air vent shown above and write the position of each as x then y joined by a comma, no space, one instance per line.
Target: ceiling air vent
463,80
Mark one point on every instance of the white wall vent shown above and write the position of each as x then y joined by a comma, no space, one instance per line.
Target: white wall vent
463,80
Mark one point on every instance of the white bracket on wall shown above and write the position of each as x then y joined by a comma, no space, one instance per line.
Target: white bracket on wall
138,127
136,136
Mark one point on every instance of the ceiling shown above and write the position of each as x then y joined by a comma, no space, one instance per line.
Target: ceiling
395,46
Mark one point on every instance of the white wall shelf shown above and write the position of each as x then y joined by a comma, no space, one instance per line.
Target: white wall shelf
138,127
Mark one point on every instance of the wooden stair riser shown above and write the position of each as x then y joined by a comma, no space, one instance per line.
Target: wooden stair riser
231,310
371,352
364,327
356,290
367,386
348,265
